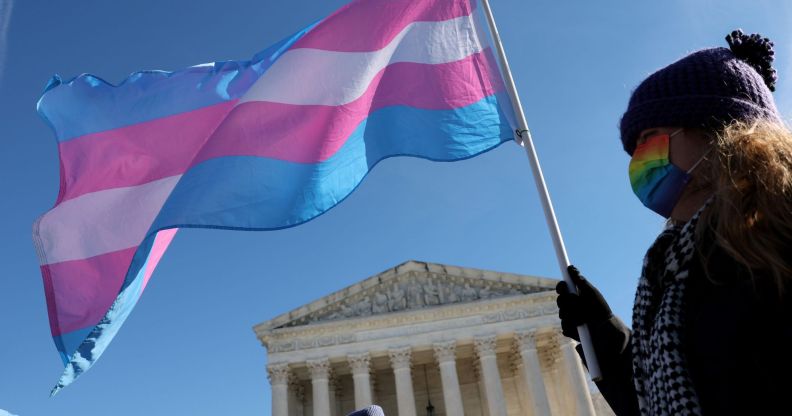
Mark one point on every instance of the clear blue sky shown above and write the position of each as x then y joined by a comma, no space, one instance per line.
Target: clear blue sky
188,348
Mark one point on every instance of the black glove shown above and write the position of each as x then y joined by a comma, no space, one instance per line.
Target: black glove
586,307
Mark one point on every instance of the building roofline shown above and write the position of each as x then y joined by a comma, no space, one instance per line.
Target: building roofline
394,273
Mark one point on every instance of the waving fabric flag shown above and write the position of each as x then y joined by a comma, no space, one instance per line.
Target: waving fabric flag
263,144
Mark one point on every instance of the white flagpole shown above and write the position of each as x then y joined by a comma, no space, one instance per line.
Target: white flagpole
524,138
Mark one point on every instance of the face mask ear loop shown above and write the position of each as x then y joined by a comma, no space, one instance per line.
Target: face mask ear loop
701,159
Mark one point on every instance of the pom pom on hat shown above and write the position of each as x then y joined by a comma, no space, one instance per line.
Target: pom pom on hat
755,51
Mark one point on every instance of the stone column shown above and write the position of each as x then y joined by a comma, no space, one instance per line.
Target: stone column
445,354
320,380
493,388
296,397
335,392
525,342
480,387
278,375
360,365
575,374
405,397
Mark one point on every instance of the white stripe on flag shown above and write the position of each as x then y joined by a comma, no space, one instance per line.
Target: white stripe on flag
319,77
102,222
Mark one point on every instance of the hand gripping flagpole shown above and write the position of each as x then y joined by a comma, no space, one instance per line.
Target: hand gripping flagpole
524,138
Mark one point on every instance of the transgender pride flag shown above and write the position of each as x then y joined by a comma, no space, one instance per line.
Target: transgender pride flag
252,145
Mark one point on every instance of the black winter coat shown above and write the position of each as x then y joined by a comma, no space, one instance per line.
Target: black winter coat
738,343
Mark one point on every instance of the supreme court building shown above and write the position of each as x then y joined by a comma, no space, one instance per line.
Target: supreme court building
422,336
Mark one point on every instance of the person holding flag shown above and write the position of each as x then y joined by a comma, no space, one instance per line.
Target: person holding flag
712,319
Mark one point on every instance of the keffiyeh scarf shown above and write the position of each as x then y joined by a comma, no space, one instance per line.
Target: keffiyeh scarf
662,379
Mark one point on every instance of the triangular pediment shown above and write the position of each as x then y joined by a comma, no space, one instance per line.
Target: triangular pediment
412,285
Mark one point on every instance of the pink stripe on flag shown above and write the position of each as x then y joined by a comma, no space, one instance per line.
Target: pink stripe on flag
298,133
82,290
136,154
314,133
364,26
161,242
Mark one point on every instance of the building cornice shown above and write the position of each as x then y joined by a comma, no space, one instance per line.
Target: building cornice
461,315
363,298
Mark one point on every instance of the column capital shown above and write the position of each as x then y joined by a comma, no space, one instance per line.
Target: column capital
525,340
477,370
562,340
550,352
485,345
400,357
278,373
297,388
319,368
445,351
359,363
556,332
335,384
515,362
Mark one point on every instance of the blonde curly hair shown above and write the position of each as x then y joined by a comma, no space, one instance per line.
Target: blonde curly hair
750,178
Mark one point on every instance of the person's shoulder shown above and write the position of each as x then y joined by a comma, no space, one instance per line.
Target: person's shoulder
717,274
713,264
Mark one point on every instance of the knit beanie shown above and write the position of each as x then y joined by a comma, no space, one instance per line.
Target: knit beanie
709,89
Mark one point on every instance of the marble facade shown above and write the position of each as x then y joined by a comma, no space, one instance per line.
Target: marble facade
459,340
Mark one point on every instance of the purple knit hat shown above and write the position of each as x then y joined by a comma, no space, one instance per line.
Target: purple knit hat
708,89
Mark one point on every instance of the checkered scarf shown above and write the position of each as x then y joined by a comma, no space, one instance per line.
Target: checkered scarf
662,380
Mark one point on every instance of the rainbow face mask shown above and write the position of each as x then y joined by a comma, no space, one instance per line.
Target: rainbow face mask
657,182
